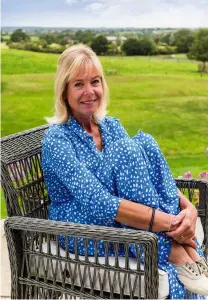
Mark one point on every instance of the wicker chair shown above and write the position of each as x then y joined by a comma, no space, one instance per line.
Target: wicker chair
40,268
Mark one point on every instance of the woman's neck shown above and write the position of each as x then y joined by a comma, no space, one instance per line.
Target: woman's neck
87,123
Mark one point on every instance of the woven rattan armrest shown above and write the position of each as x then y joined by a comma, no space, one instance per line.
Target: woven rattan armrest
17,228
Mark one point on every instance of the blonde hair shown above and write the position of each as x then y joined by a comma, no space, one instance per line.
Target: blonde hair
76,59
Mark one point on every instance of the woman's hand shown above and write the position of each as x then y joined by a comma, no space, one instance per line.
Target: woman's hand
185,231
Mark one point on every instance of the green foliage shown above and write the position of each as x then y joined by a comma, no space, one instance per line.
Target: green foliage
146,46
142,46
183,40
48,38
19,36
199,49
166,38
165,49
113,49
38,46
130,46
85,37
100,45
58,38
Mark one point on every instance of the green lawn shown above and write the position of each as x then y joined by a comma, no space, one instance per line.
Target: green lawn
166,98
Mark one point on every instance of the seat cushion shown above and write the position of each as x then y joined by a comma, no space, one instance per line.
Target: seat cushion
55,269
199,231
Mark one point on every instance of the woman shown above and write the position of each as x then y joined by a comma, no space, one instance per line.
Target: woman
96,174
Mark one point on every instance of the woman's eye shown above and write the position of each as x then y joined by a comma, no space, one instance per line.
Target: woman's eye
96,81
78,84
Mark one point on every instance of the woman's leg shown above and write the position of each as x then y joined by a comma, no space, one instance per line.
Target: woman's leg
192,252
161,178
130,180
125,174
178,255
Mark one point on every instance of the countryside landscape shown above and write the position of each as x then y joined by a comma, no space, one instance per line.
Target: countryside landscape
87,217
160,93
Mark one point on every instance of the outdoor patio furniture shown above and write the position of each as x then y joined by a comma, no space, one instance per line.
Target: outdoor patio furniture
40,268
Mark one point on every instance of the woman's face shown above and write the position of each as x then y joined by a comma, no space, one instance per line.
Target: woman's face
85,93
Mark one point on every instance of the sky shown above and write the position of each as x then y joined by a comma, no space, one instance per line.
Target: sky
105,13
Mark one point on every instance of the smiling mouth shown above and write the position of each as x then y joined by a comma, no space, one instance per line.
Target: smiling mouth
89,102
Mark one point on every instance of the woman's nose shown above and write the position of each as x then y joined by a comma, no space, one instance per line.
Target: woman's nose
88,90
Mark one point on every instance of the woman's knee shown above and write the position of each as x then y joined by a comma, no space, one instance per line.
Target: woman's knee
123,147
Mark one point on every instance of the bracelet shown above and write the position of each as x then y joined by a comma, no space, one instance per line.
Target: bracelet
152,219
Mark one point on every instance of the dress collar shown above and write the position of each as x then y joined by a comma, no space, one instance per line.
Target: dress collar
78,129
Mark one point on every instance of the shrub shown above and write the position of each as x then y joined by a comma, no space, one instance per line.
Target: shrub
165,49
38,46
100,45
142,46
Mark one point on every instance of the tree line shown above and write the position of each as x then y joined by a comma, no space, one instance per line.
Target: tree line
193,43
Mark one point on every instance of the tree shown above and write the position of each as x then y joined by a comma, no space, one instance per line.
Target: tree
100,45
183,40
18,36
146,46
84,36
112,49
157,39
130,47
49,38
168,38
199,48
142,46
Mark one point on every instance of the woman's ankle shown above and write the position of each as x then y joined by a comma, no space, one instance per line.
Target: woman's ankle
178,255
192,253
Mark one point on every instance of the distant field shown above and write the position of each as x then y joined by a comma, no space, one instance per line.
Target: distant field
34,38
6,37
164,97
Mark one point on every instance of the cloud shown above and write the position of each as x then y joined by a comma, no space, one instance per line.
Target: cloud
95,7
71,1
139,7
148,13
106,13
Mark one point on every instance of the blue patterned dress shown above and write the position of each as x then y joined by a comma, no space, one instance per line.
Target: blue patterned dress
86,185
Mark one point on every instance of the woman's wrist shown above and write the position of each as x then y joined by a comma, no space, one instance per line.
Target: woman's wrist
162,221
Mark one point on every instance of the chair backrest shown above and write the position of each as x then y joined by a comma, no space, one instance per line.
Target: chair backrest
21,174
197,192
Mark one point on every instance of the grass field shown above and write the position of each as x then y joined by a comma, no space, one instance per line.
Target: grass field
166,98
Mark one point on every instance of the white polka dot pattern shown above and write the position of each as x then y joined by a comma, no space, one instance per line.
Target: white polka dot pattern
86,185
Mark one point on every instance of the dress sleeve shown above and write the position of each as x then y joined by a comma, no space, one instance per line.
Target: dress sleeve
59,160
